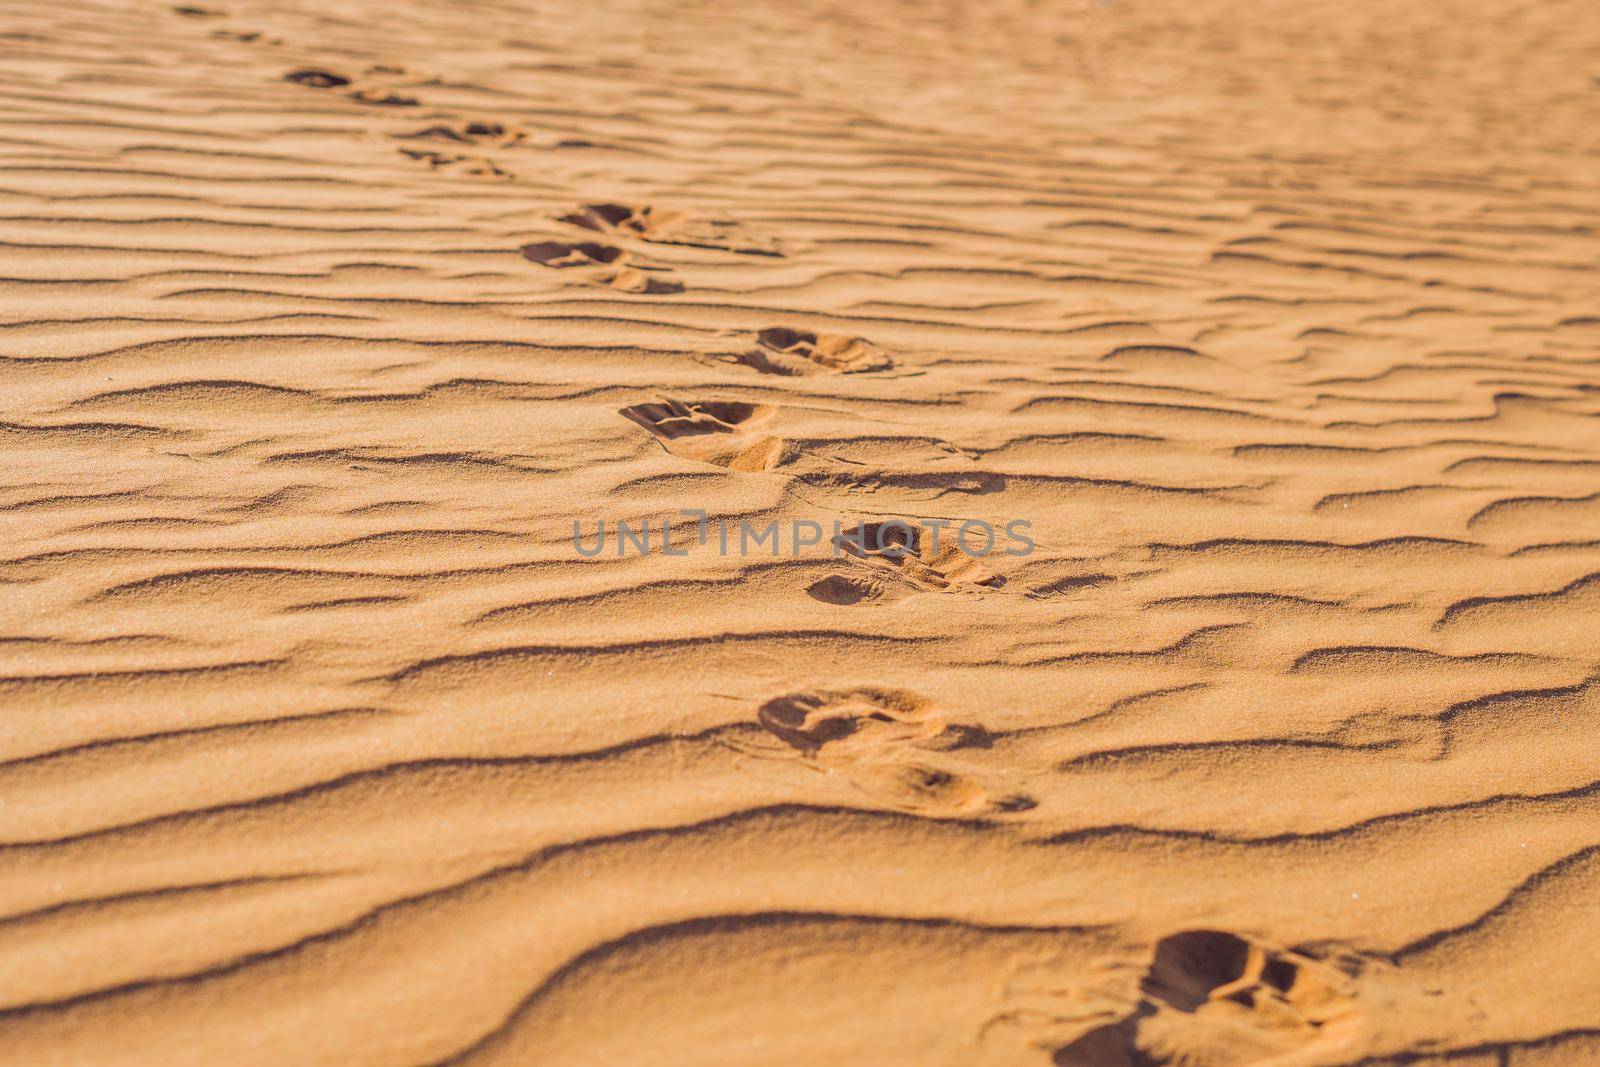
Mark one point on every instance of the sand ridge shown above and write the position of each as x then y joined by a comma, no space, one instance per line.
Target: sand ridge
1279,323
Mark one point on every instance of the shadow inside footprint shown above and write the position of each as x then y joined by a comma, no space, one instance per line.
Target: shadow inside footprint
1190,967
712,431
1105,1046
383,98
609,265
313,78
602,217
873,717
474,165
846,590
472,133
669,228
672,419
1214,999
881,540
793,353
560,254
903,547
317,79
890,743
1201,966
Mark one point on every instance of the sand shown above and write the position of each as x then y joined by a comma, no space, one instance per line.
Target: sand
1277,323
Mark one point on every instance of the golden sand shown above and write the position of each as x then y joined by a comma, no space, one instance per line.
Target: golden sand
1277,322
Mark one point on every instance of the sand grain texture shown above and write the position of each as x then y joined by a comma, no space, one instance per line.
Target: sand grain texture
320,324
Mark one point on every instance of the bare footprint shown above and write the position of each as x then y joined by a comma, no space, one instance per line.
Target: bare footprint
477,166
605,264
907,550
792,353
191,11
495,134
711,431
317,79
853,720
377,95
888,743
670,228
846,590
927,789
1214,999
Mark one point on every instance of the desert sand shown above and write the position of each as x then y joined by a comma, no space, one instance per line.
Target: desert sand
1277,322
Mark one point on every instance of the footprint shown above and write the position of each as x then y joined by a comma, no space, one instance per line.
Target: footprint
780,350
477,166
909,551
376,95
1214,999
191,11
673,419
380,97
559,254
846,590
670,228
606,264
853,719
496,134
712,431
930,790
317,79
887,742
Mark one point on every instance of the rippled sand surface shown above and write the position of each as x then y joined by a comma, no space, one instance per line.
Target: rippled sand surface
322,743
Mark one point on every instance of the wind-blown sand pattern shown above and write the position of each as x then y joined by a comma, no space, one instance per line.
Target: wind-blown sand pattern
1279,321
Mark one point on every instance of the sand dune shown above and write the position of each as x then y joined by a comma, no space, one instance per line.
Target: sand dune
325,741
